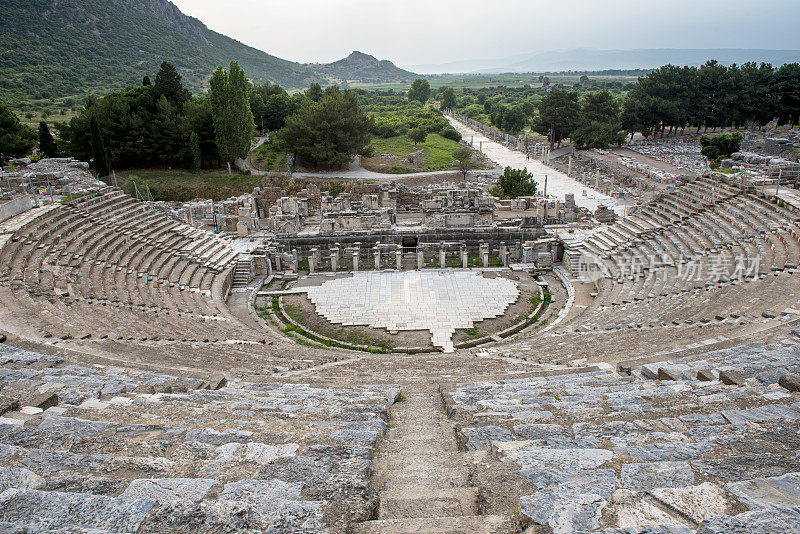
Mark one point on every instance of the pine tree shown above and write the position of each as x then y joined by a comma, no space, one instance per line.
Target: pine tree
16,139
168,83
101,165
47,145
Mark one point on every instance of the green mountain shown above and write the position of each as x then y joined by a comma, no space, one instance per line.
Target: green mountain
363,68
51,49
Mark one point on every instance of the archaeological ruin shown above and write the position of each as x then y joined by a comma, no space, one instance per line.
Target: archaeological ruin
617,353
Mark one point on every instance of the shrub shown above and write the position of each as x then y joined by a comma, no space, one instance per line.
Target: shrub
720,146
597,135
450,133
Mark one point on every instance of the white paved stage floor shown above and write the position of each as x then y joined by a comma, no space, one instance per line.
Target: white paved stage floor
440,301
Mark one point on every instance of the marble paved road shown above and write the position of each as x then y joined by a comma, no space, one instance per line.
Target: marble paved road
440,301
558,183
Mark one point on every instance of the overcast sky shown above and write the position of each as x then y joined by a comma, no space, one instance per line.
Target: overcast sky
413,32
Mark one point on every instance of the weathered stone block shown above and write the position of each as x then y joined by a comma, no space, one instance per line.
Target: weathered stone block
169,490
706,375
774,521
217,381
564,512
43,400
51,510
731,377
8,404
667,374
643,477
790,381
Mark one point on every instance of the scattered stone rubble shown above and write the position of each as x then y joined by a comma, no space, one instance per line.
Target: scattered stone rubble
58,176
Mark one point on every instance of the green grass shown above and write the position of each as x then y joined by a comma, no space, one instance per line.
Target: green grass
181,185
438,151
326,340
270,157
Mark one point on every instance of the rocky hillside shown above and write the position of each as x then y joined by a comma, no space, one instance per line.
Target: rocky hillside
360,67
51,49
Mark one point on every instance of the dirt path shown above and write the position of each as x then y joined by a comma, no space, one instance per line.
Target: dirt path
647,160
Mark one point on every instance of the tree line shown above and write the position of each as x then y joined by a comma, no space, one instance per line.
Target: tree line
663,101
159,123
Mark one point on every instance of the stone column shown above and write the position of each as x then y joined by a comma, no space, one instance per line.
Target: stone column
377,254
485,254
312,259
278,261
295,259
504,254
398,256
334,259
355,260
420,258
527,253
464,257
442,258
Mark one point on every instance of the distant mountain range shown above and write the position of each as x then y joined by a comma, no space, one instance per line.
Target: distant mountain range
57,48
582,59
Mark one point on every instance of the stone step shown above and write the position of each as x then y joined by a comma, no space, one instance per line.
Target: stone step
421,460
428,503
433,445
431,477
477,524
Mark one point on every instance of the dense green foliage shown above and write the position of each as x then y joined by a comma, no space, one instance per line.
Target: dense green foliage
270,105
420,91
713,96
447,98
559,114
47,145
720,146
15,139
394,115
514,183
230,112
417,135
328,132
463,156
99,154
600,107
169,84
139,130
597,135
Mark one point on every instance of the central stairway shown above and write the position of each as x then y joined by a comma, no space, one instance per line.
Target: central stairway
423,480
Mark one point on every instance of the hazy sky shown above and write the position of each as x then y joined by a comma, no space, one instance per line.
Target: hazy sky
412,32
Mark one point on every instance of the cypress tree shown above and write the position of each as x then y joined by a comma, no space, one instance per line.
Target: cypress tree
197,156
47,145
101,165
230,110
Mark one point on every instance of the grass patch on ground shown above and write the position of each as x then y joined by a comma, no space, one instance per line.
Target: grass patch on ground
270,156
438,152
181,185
343,334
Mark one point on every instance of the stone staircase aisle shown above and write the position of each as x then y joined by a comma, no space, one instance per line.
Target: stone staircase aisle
422,478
